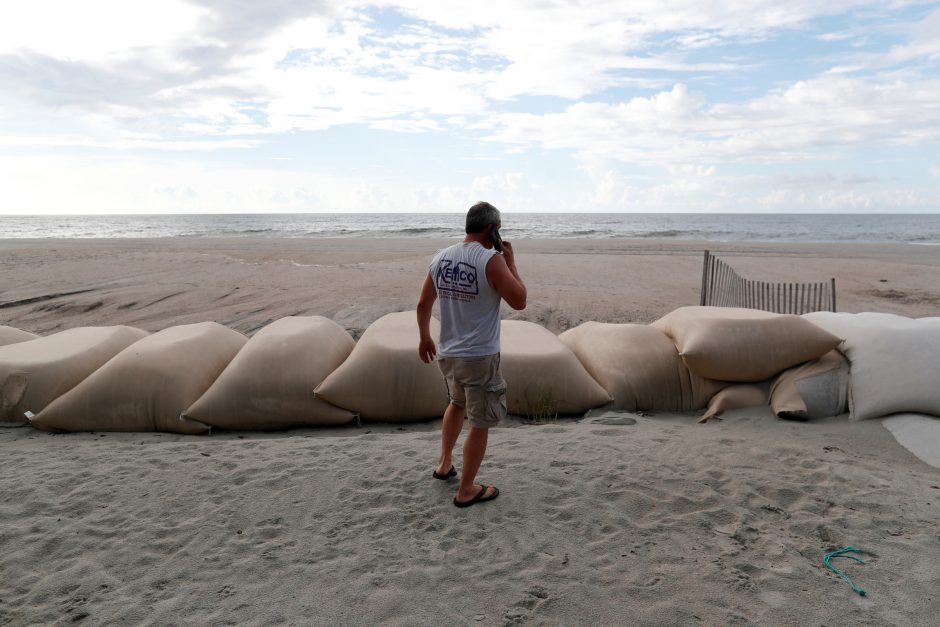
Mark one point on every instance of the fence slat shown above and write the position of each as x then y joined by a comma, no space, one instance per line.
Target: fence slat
727,289
703,293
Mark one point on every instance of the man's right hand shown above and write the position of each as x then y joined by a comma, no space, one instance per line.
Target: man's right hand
427,351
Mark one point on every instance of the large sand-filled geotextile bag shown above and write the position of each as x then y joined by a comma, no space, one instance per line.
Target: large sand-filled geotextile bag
12,335
149,384
737,396
383,379
743,345
894,362
639,367
36,372
816,389
543,376
270,383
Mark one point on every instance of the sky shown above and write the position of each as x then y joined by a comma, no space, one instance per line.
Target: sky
225,106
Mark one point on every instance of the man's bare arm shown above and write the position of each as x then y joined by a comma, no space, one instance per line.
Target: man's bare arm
427,351
502,275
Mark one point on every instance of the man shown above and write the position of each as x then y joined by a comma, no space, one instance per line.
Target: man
470,278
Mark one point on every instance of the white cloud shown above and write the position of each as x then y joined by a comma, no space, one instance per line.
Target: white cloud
497,183
94,29
186,67
841,35
812,119
923,42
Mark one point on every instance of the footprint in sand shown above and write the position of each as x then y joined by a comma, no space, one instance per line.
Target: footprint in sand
225,591
607,432
613,419
519,614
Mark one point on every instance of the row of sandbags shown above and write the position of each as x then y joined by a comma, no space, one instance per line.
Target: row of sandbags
190,378
124,379
268,383
211,377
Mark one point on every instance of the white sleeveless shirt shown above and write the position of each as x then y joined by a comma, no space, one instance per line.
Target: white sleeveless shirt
469,306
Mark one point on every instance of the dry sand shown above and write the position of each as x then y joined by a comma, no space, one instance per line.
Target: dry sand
661,522
654,521
245,283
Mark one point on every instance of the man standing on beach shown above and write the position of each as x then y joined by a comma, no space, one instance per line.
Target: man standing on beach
470,278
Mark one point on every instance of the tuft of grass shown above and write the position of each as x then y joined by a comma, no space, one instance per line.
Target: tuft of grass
543,410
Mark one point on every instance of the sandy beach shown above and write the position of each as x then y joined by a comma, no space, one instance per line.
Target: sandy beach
612,519
244,283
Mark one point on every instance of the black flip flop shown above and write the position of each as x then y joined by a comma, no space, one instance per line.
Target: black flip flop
479,498
450,473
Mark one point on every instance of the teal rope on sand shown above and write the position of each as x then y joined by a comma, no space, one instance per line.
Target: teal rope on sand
842,553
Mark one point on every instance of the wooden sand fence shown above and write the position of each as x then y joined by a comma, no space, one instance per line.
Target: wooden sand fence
723,287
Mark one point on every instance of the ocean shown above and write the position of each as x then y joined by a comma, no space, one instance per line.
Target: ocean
910,228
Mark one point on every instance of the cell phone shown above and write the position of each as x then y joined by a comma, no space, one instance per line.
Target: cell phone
497,240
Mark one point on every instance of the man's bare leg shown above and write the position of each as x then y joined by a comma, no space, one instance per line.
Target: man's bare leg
450,431
474,448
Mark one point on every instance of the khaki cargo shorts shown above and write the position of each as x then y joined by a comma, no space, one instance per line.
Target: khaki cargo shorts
476,384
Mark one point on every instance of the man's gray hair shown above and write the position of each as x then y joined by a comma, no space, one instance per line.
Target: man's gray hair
480,215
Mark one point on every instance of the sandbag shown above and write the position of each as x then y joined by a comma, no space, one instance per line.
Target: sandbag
894,362
383,379
639,367
146,386
743,345
816,389
738,396
12,335
270,383
543,376
36,372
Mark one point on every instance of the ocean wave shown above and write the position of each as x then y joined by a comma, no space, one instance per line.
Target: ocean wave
584,233
255,231
421,230
667,233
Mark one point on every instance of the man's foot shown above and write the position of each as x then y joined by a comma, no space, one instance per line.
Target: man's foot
444,476
486,493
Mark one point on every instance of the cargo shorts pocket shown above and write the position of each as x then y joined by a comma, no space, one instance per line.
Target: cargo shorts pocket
496,401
